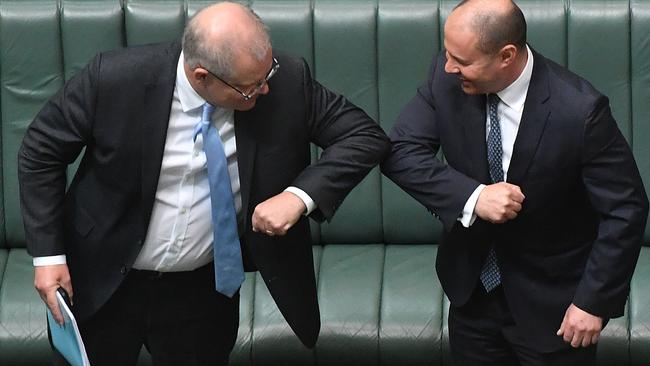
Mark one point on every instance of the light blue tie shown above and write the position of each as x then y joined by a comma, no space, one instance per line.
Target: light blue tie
490,274
228,267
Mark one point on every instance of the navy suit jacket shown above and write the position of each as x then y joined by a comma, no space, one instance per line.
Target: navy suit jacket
578,235
118,108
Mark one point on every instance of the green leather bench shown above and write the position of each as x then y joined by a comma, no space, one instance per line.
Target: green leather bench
381,303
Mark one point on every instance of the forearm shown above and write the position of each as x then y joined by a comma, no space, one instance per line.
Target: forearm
443,190
341,166
42,189
604,286
351,141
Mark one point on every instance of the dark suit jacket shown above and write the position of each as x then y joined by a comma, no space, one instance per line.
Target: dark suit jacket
578,235
118,109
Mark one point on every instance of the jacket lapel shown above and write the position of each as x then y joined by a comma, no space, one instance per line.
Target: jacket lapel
246,145
473,119
157,101
533,122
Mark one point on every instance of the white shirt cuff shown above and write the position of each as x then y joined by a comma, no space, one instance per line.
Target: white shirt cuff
468,217
49,261
309,203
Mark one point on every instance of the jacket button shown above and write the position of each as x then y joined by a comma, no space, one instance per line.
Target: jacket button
123,270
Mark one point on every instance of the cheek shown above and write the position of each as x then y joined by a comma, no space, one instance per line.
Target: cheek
244,105
473,73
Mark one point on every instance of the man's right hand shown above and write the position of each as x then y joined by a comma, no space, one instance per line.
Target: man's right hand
47,279
499,202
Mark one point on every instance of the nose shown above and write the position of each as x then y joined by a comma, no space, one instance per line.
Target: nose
265,88
451,67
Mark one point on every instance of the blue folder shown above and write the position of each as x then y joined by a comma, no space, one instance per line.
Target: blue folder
66,338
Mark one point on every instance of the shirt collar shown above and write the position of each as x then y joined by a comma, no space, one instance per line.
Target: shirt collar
188,97
514,96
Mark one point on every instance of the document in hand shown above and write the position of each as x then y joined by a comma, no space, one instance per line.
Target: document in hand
66,337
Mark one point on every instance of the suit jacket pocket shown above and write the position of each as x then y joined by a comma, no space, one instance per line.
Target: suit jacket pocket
559,261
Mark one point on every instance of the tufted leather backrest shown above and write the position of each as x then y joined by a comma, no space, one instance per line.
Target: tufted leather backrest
374,52
380,303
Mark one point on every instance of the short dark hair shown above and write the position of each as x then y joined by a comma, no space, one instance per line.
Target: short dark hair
496,30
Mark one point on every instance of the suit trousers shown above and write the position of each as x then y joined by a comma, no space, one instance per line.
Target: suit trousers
483,332
177,316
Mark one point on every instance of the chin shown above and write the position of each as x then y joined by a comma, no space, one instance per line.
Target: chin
470,90
468,87
245,107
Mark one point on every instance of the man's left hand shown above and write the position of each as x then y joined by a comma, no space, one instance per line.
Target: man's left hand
278,214
580,328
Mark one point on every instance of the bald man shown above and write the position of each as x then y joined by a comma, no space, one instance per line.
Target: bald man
132,239
541,200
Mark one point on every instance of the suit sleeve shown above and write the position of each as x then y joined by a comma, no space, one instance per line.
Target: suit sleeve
52,141
352,145
412,163
615,190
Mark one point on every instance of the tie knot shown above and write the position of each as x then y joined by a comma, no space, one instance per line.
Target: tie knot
208,109
493,99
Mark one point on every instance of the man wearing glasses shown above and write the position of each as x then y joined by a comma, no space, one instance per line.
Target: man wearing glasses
196,168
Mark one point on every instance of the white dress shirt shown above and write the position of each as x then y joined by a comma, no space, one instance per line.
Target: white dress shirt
509,111
180,235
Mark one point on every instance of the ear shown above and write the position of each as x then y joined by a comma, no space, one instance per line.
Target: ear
199,74
508,55
196,76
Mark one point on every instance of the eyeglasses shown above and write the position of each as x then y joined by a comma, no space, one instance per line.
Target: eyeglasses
257,87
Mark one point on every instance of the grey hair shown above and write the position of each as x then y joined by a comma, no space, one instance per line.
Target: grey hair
219,57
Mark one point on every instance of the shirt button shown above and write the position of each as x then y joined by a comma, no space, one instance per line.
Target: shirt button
183,210
196,153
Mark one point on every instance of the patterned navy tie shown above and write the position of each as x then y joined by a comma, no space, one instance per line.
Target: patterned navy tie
228,266
490,274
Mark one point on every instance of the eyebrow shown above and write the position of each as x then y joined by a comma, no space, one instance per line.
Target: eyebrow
462,61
